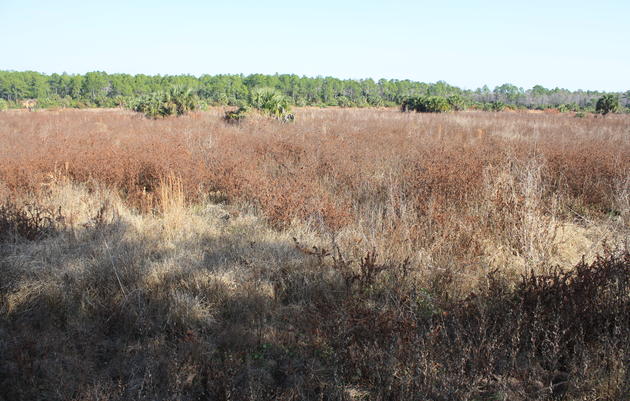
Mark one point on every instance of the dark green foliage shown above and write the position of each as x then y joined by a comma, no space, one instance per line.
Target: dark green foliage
99,89
267,101
457,102
564,108
237,116
344,101
498,106
426,104
435,104
409,104
607,104
494,106
173,102
375,101
270,102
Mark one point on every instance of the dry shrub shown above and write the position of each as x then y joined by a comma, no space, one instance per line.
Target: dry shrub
421,265
551,336
28,221
464,191
323,165
222,307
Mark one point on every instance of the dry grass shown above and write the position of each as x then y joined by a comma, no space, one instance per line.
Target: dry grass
354,254
388,178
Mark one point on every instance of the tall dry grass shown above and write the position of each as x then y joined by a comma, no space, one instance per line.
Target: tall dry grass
354,254
434,188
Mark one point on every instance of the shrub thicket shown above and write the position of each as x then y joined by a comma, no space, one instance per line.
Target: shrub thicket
270,101
236,116
494,106
176,101
29,222
427,104
267,101
457,102
607,104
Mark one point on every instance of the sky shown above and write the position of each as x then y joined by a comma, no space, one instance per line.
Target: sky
568,44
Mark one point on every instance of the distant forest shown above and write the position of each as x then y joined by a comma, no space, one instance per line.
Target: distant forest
99,89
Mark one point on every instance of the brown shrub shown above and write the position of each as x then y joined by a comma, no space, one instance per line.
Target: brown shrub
200,302
325,164
400,182
29,221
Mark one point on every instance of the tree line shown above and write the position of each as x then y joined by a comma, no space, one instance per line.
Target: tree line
99,89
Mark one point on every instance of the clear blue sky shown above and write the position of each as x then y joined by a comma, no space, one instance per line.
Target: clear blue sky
571,44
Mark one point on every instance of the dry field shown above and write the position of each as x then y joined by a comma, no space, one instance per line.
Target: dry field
353,254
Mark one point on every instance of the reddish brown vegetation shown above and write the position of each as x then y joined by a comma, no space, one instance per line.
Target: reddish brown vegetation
327,164
221,308
419,180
